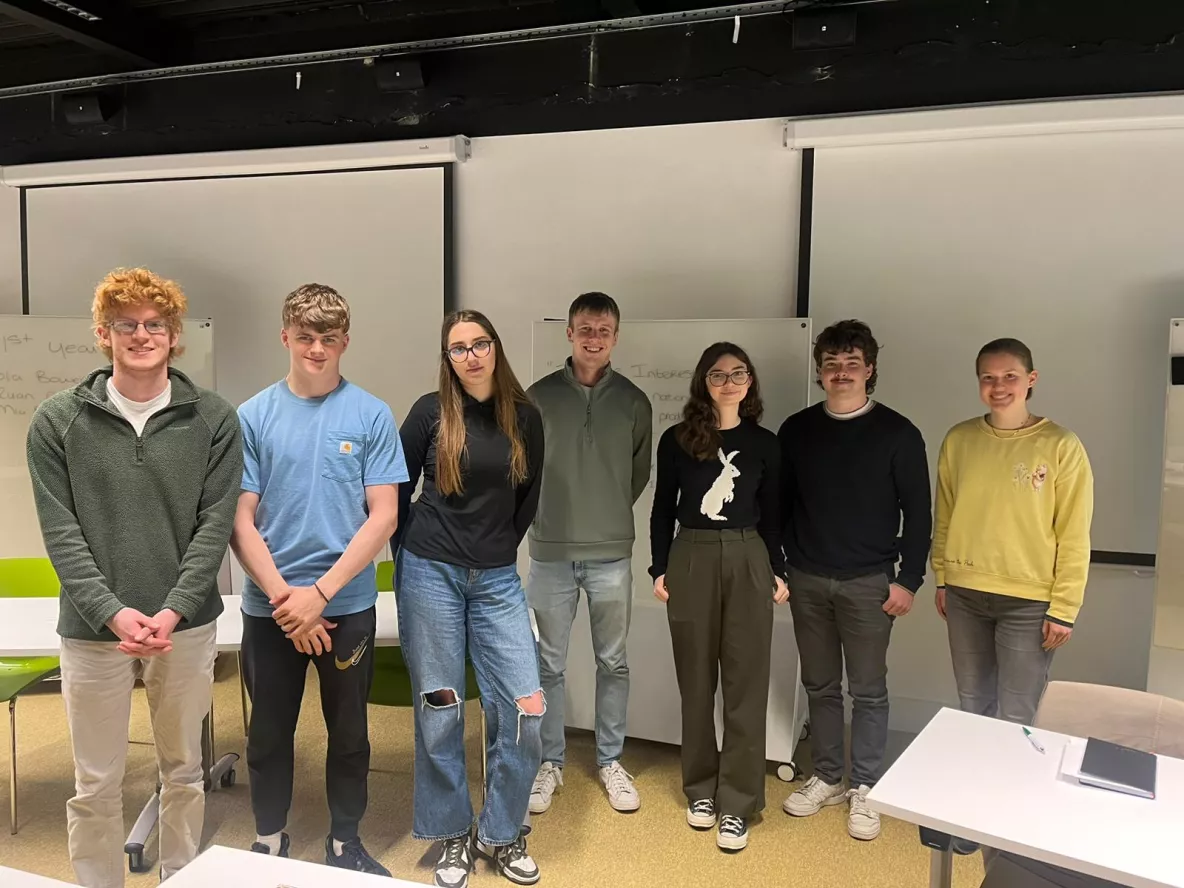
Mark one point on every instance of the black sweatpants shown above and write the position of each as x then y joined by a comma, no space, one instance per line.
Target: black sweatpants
721,625
275,674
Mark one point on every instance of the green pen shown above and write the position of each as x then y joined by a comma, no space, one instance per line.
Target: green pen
1035,744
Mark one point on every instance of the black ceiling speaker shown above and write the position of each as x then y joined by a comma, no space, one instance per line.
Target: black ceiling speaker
823,29
85,108
399,74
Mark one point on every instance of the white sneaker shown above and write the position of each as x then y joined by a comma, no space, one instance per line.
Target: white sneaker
622,794
813,797
548,778
862,822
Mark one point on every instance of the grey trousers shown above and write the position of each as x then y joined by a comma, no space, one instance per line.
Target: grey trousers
836,621
997,647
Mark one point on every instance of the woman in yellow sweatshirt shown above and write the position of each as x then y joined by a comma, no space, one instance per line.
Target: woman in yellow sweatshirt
1011,539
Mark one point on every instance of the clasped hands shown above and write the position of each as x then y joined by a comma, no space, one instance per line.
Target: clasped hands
143,636
298,612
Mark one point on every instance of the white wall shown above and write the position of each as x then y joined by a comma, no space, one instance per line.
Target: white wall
673,222
10,251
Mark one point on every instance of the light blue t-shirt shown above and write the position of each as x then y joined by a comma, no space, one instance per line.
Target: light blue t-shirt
311,460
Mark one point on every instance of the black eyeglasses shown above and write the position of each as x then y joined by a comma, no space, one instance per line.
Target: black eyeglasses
718,378
479,349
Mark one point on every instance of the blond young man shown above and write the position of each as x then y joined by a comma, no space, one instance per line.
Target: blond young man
319,501
136,473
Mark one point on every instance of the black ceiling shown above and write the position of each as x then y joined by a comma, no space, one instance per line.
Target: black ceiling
51,40
687,64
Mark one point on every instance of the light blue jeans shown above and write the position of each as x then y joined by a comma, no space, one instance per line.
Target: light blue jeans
553,588
441,606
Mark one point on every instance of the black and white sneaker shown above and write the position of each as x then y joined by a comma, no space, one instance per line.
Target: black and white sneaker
733,833
701,814
455,863
512,861
285,845
354,857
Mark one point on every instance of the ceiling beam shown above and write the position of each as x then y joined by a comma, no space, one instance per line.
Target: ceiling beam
104,26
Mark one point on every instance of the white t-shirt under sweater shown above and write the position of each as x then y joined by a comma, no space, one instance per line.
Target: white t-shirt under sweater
138,412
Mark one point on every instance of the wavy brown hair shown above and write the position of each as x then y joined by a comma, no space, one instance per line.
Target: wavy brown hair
698,433
451,441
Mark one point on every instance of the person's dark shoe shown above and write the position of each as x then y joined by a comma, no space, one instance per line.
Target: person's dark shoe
353,857
285,845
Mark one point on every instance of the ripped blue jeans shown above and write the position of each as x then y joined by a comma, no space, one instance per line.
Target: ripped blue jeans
441,608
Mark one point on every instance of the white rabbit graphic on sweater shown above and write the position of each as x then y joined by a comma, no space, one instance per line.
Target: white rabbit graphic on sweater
723,488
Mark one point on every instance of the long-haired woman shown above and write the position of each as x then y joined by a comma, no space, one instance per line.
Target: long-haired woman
718,477
478,443
1011,539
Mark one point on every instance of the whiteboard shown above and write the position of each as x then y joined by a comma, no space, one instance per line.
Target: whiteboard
660,357
40,356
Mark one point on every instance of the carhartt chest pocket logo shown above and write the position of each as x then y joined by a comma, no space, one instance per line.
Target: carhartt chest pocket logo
342,455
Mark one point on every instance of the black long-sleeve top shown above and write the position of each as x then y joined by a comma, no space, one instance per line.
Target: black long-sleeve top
482,527
739,488
847,484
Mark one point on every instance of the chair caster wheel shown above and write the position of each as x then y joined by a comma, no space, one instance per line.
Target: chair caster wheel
228,779
788,772
805,731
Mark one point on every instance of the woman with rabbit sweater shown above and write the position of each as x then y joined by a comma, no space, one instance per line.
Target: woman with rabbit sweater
718,476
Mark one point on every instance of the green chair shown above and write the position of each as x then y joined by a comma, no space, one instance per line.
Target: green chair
392,680
23,578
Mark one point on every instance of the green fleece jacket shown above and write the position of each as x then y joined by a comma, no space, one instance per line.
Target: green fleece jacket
598,456
135,521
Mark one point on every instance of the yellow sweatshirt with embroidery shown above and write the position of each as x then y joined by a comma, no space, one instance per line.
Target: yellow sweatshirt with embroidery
1013,514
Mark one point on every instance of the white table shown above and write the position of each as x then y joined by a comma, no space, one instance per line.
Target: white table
11,878
28,628
232,868
980,779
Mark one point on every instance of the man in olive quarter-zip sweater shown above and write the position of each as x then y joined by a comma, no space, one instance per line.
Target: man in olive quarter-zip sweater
136,475
131,520
599,432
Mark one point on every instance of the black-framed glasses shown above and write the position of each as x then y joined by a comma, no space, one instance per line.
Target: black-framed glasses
127,327
718,378
479,349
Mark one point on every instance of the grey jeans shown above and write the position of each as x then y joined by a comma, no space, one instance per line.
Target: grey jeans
997,646
837,621
553,590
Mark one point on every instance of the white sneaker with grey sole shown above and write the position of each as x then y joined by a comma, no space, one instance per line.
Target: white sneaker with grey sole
862,822
618,783
813,797
549,777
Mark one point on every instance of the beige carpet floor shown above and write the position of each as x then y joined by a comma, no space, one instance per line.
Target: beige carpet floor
580,843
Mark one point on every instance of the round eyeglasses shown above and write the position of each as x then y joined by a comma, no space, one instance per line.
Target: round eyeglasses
479,349
739,377
126,327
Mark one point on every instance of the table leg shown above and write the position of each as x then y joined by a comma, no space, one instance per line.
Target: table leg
941,868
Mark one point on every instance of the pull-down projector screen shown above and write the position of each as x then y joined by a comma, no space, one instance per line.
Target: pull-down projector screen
237,246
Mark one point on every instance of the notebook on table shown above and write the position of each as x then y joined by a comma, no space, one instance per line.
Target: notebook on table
1111,766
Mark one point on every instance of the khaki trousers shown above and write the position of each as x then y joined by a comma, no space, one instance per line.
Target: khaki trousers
97,681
